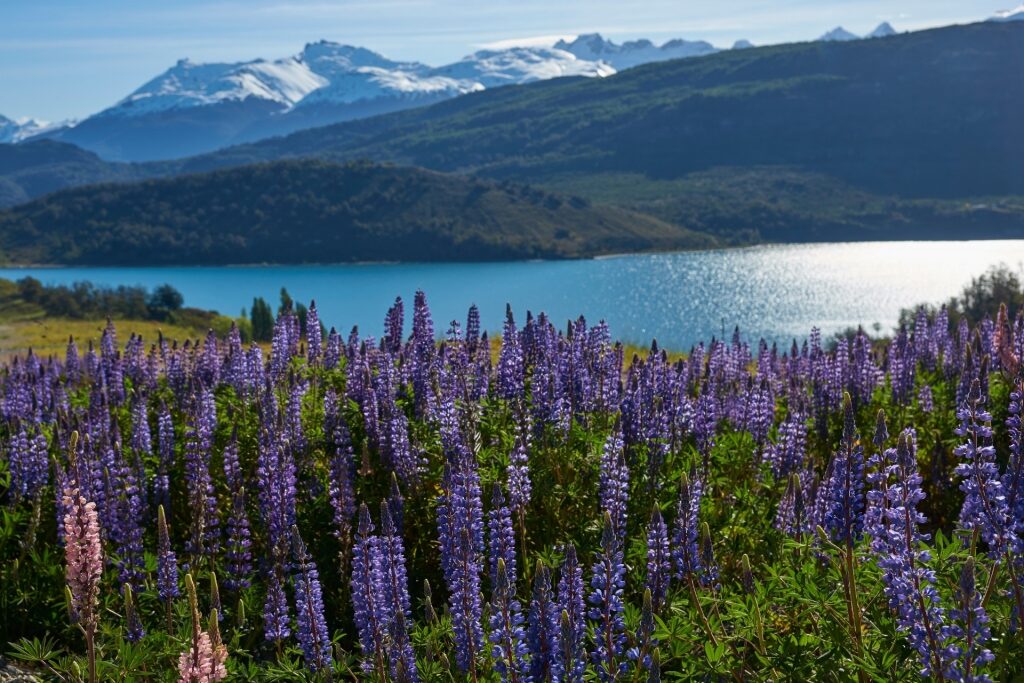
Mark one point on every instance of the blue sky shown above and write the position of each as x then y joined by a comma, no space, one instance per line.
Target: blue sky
71,58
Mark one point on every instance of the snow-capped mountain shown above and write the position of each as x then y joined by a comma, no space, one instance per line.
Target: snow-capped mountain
192,108
883,30
21,129
1015,14
592,47
838,34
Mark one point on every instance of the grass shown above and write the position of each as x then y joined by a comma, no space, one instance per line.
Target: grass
49,336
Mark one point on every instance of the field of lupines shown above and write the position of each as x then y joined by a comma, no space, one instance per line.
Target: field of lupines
438,508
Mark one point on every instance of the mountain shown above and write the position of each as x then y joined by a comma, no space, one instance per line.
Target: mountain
742,45
317,212
194,108
39,166
1015,14
876,114
818,140
22,129
883,30
593,48
838,34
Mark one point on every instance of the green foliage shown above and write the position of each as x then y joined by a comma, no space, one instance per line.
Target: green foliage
315,211
261,320
1000,284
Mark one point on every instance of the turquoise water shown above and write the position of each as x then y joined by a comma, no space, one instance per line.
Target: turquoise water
775,292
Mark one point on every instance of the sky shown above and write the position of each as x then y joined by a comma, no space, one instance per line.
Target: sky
64,59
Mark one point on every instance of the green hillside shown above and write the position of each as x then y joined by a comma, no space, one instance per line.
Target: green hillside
313,211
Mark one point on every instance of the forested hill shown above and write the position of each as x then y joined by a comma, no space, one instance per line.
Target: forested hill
932,113
313,211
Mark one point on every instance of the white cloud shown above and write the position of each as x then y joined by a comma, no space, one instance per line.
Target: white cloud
532,41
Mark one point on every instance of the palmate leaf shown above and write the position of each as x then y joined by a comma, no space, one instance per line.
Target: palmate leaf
35,651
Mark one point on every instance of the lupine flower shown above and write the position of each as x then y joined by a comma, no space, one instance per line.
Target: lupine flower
924,399
166,561
606,607
510,361
985,507
314,337
795,515
842,493
500,537
460,526
613,485
84,556
893,523
519,486
571,661
134,632
29,465
973,620
397,607
367,595
275,607
685,549
238,553
202,662
507,634
645,641
659,559
311,629
544,632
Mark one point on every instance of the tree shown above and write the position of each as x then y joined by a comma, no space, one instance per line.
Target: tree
163,301
286,302
262,320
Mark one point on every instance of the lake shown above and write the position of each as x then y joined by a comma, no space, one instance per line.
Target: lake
775,292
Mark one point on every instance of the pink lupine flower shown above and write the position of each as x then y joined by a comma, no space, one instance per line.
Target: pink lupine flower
84,554
203,661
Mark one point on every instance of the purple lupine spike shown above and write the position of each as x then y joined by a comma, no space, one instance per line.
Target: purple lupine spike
925,401
613,486
277,496
423,351
791,447
572,662
510,361
29,465
659,560
1013,477
311,631
975,632
519,485
507,633
165,442
710,573
606,606
127,533
396,504
394,324
275,608
314,336
332,350
367,595
473,327
340,489
705,422
396,597
985,507
842,493
896,542
204,538
501,538
544,632
166,561
645,641
685,550
795,515
238,551
461,529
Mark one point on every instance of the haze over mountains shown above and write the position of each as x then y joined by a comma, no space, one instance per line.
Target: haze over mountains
914,135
